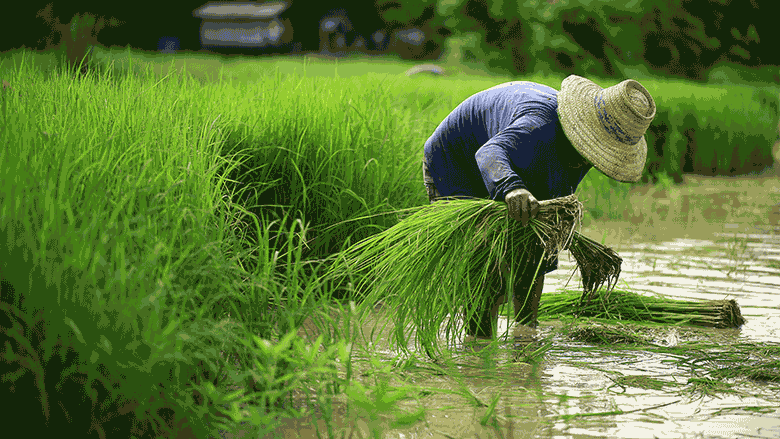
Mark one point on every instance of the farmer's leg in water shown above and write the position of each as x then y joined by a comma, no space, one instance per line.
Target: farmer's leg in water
481,323
522,207
526,305
527,290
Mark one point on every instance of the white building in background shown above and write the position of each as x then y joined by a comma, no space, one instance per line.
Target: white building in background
255,24
242,24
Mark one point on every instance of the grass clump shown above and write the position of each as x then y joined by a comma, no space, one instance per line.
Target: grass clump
626,305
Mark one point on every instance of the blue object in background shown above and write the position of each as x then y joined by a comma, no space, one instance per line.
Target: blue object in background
168,44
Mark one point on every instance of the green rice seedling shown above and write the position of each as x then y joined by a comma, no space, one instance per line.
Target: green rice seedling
419,268
626,305
759,363
603,334
639,381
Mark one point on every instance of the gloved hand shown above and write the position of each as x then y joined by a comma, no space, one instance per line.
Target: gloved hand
523,206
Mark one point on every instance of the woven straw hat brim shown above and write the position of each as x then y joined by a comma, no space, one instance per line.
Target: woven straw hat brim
610,135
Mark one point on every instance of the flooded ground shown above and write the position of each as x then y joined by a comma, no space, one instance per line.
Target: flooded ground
730,251
745,267
727,250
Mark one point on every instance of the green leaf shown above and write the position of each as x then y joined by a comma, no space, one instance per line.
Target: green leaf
357,394
76,331
490,411
406,419
740,51
448,7
284,344
713,43
105,344
753,34
497,9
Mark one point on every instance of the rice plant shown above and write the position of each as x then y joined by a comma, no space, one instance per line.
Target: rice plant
125,228
598,264
420,268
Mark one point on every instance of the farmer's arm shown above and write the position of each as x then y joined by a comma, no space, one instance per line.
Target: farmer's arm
512,146
495,164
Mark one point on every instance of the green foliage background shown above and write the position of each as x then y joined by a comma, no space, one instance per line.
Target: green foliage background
627,38
591,37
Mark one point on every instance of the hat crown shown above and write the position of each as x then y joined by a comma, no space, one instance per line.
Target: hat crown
625,111
607,126
640,103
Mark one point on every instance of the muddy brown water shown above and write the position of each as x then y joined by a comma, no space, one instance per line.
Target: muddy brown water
579,390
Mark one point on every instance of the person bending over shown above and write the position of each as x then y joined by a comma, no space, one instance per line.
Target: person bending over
521,142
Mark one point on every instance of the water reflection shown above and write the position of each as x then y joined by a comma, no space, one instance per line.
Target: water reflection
742,266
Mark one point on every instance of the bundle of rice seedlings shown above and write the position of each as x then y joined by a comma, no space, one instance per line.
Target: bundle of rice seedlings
420,268
626,305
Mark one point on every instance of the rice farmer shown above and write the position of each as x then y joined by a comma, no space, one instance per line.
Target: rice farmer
521,142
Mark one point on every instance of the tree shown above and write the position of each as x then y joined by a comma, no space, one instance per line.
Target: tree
76,38
682,38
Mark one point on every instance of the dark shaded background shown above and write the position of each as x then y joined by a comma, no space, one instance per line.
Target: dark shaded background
681,38
145,22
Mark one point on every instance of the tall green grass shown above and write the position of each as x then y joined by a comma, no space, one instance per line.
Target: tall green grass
117,224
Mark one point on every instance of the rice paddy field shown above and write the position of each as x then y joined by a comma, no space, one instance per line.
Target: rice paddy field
198,201
618,379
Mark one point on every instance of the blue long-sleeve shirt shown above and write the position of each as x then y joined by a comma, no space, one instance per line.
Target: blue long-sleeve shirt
501,139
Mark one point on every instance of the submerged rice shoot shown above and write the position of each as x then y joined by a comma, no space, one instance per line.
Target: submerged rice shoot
419,268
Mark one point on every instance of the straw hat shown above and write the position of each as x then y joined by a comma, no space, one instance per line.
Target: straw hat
607,125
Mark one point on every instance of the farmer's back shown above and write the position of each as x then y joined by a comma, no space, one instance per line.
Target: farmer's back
504,138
